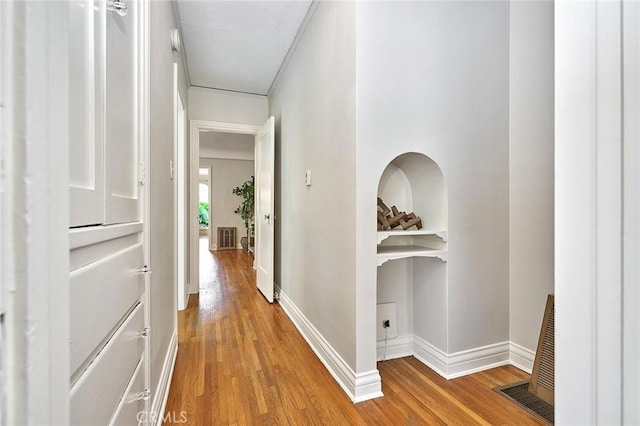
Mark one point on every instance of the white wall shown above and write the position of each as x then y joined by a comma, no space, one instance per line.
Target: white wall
433,77
226,175
596,212
530,168
227,107
34,212
314,106
631,219
393,275
162,203
232,146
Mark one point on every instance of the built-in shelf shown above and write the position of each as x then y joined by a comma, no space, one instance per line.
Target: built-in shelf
386,253
417,280
414,183
383,235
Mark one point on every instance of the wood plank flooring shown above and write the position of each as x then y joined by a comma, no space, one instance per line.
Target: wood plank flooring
242,361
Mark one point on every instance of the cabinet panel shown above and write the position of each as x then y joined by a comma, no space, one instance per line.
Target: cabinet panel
131,409
101,294
86,125
95,396
122,148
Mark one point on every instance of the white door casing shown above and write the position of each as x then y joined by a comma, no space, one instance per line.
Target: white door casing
192,217
179,179
195,127
264,216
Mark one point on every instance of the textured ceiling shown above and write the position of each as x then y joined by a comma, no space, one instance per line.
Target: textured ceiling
238,44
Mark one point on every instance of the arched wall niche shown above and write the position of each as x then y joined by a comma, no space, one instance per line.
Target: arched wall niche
414,182
411,287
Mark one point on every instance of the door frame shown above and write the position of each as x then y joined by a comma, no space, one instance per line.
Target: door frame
35,241
195,127
180,194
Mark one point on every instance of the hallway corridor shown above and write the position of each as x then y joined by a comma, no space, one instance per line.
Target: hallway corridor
241,361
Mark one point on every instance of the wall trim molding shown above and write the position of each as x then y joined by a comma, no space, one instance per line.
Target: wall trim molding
359,387
368,385
162,393
521,357
431,356
464,362
397,347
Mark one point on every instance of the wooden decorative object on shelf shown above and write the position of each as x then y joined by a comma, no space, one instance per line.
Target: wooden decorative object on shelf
382,222
397,218
382,207
414,221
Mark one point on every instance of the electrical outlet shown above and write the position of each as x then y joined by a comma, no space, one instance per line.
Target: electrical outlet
387,323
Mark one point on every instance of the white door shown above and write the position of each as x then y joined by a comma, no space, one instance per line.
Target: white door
122,117
265,159
86,130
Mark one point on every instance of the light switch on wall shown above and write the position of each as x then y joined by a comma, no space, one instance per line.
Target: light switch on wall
307,178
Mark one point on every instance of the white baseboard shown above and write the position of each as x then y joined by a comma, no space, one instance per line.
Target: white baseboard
359,387
162,393
461,363
431,356
193,289
215,247
276,288
398,347
365,386
521,357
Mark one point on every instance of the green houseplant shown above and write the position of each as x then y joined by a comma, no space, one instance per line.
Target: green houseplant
203,214
246,210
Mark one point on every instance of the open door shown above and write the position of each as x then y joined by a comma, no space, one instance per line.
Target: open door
265,159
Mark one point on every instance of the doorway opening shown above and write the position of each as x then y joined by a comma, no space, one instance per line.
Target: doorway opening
204,211
224,158
233,154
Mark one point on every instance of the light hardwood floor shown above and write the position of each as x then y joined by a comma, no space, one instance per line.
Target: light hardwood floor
241,361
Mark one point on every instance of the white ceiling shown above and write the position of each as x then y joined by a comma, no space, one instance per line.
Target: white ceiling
238,45
233,146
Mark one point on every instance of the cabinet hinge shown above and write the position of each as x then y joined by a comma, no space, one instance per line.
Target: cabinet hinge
144,332
145,270
144,395
142,175
117,6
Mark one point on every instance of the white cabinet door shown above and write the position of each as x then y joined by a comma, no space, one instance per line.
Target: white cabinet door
86,126
122,127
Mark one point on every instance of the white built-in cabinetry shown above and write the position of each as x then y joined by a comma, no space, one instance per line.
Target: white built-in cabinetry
417,283
109,330
414,182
